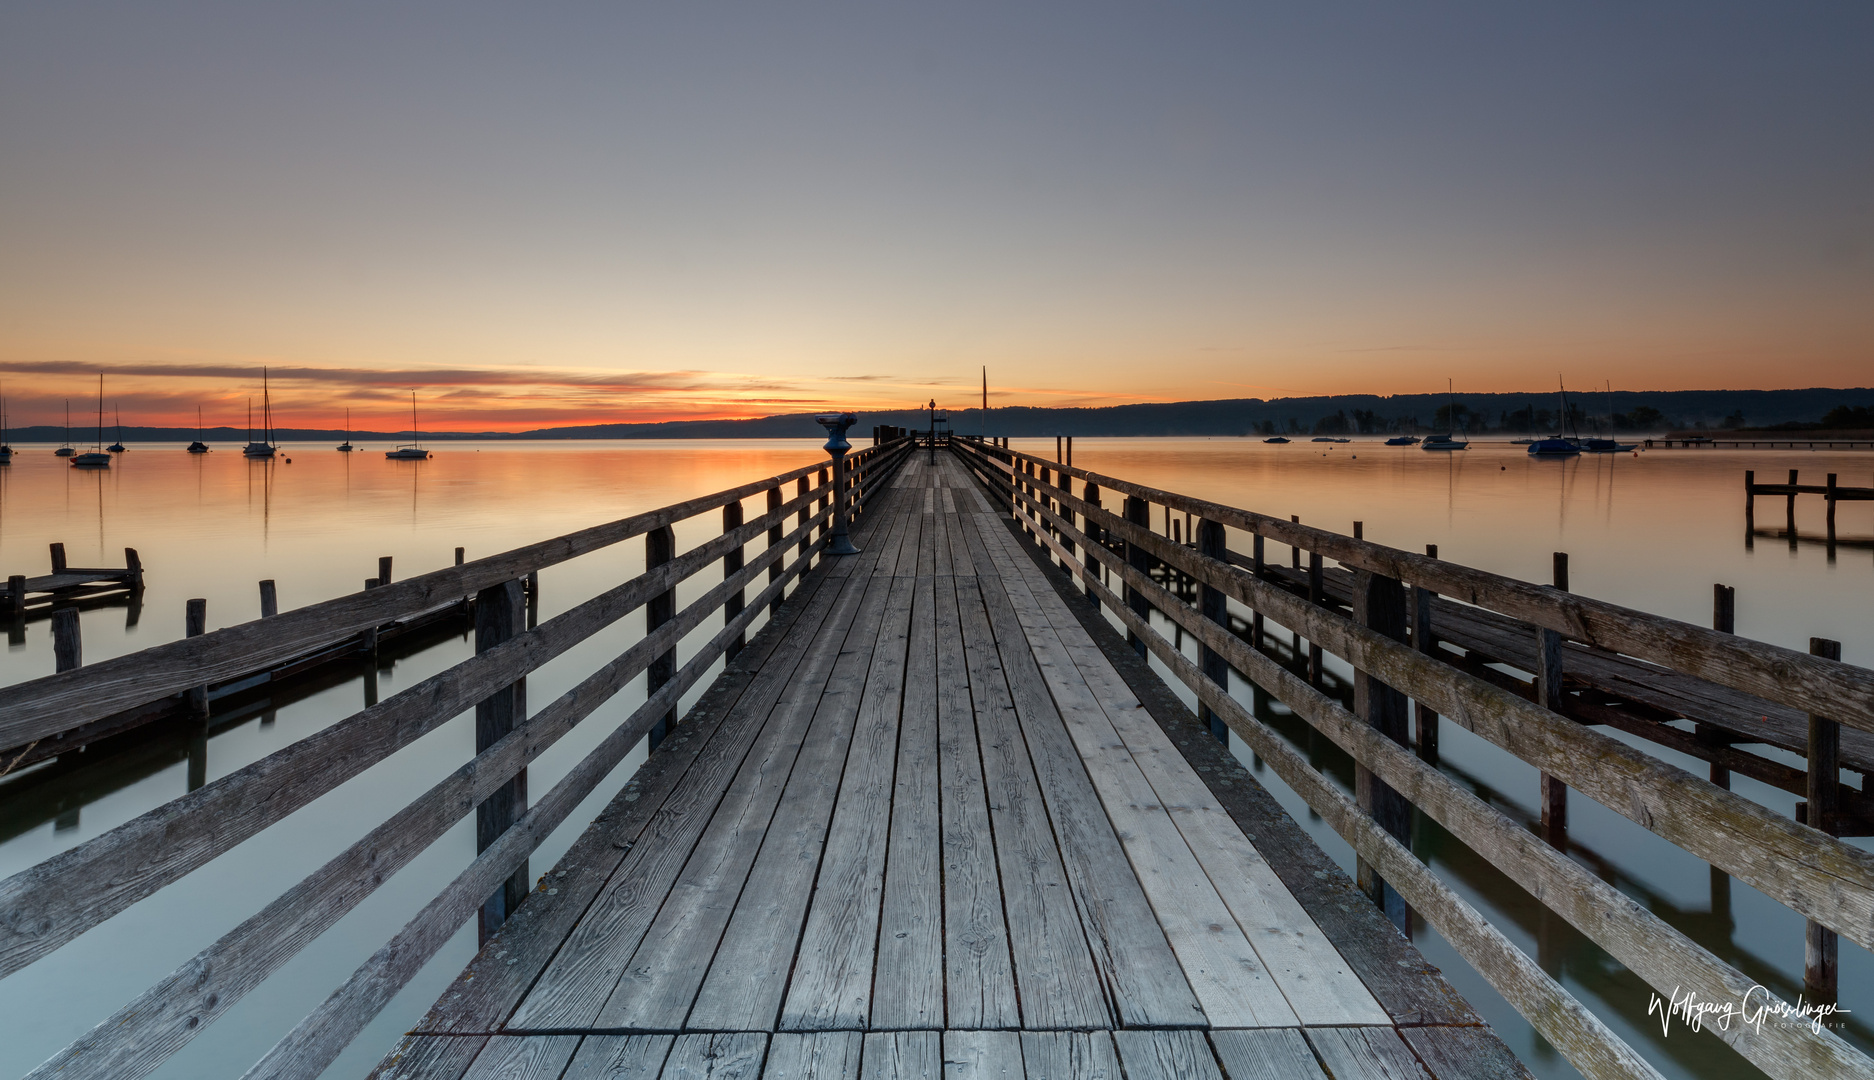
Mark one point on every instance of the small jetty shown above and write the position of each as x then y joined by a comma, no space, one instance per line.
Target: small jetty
940,812
70,585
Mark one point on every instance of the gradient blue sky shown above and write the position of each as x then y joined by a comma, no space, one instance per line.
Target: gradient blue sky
561,213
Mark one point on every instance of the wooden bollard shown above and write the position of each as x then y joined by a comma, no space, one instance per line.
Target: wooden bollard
1359,530
1070,450
1138,512
383,569
269,599
58,558
1214,543
1750,496
1821,949
16,593
367,641
1548,674
195,624
498,614
1829,494
68,649
732,563
660,546
1317,595
1789,508
133,566
1057,449
458,556
774,540
1425,640
1379,604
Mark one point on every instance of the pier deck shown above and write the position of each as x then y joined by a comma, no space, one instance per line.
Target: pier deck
925,824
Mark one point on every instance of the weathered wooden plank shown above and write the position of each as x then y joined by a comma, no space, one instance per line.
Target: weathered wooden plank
1224,971
820,1055
831,986
743,987
1267,1054
523,1057
903,1055
429,1057
585,972
719,1056
908,991
1055,971
979,976
1166,1055
1135,959
1312,975
489,988
1365,1053
1463,1053
620,1057
982,1055
1069,1055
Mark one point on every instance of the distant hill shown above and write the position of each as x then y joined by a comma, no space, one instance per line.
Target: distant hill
1637,410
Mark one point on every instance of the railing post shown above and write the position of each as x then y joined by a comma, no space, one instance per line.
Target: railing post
1821,949
1425,640
1213,542
1317,595
1095,568
732,565
1380,605
801,488
1138,512
836,445
498,615
1257,564
774,540
1293,551
660,546
1723,620
1549,696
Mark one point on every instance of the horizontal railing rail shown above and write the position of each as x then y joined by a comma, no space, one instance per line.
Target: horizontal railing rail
53,902
1829,882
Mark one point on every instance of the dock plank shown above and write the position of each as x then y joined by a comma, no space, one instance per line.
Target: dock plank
821,1055
902,1055
1166,1055
1069,1055
620,1057
1266,1054
1365,1053
523,1057
982,1055
718,1056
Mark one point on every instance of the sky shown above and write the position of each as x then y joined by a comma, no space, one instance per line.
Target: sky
545,214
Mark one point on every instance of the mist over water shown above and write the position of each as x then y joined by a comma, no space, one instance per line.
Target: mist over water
1652,531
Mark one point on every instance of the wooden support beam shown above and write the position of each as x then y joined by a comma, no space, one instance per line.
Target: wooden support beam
195,624
383,570
1821,948
1257,565
1138,512
660,546
498,615
774,540
1092,498
1380,605
1317,595
1548,674
1211,604
731,566
1425,640
58,558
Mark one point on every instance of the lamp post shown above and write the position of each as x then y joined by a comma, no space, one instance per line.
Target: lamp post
932,456
836,445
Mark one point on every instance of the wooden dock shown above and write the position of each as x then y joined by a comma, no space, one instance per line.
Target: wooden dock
936,816
70,585
931,824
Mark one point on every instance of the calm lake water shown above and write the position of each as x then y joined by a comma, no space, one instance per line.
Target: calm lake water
1652,532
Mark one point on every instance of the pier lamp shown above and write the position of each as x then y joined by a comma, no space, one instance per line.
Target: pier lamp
836,445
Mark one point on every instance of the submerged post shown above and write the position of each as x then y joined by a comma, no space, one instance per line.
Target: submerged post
836,445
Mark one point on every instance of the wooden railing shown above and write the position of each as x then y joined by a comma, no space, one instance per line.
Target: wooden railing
44,907
1389,641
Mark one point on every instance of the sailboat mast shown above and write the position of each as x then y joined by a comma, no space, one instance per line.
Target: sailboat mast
415,441
100,410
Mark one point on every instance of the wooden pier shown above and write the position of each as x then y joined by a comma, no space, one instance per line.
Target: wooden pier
937,816
70,585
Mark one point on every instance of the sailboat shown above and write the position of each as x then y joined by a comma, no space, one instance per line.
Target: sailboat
66,450
411,451
6,449
263,448
1445,441
198,446
118,446
1607,446
95,459
346,447
1555,446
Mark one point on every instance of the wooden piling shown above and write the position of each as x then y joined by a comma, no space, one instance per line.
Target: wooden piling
775,533
1317,594
269,599
1212,542
1723,620
1425,640
58,558
732,561
383,569
16,593
1138,512
1554,797
1294,551
660,546
1070,450
1379,604
1829,495
67,644
458,556
195,624
498,615
1257,567
1821,948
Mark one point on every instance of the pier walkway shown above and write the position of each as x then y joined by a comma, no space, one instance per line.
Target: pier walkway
926,825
